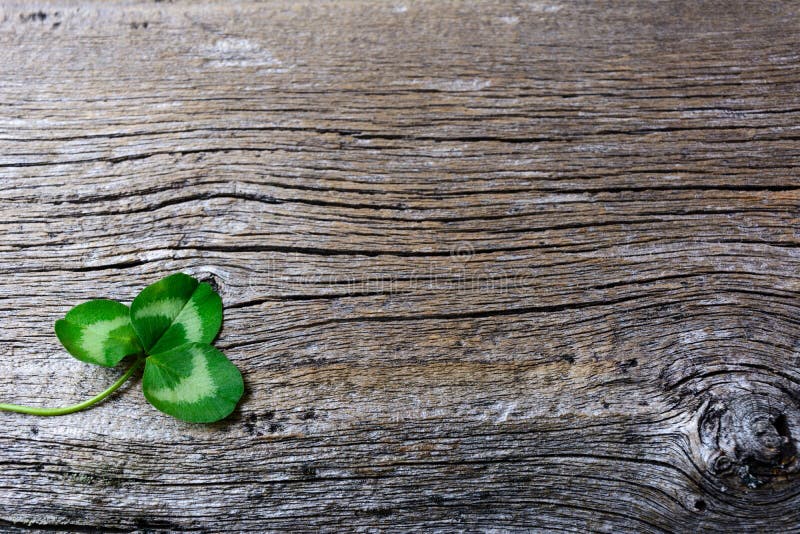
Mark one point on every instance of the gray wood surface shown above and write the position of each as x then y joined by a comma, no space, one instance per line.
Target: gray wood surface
511,265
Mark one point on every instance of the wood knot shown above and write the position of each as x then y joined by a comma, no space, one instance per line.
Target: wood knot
751,437
210,277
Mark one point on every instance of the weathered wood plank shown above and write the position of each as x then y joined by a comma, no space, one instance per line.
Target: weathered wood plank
513,265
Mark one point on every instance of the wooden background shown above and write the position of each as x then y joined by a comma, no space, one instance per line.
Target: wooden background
512,265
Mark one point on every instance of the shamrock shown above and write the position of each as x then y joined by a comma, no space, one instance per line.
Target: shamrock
168,329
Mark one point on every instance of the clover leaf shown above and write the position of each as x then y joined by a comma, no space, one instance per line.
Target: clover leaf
174,311
168,329
99,332
193,382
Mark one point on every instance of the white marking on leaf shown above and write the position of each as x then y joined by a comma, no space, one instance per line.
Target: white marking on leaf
94,336
191,321
165,307
192,388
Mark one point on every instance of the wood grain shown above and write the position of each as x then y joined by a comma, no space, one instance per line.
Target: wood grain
486,265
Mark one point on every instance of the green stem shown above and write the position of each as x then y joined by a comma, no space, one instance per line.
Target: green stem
77,407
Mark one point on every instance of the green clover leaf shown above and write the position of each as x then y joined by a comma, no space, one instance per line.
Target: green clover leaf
193,382
168,328
99,332
174,311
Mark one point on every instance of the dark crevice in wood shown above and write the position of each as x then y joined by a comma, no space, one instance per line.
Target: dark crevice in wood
302,297
87,528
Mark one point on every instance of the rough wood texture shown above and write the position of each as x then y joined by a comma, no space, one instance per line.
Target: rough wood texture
513,265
